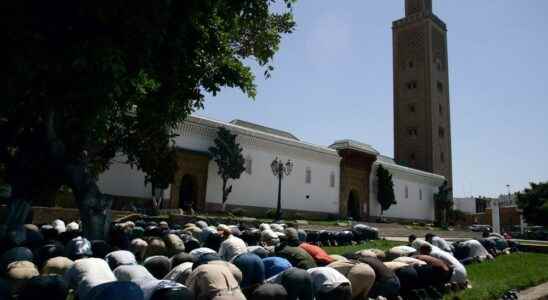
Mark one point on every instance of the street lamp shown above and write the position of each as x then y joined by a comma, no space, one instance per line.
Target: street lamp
280,169
501,206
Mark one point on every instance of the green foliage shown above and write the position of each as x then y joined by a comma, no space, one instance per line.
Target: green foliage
227,153
443,202
88,80
238,212
482,203
385,188
454,216
3,183
534,203
271,213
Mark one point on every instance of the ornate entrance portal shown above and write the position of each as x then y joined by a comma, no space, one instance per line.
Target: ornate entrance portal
354,210
190,181
187,193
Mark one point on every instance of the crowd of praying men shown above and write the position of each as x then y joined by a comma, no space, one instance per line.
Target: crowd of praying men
147,260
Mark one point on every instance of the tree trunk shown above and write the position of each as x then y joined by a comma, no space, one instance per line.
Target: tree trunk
18,212
41,167
445,216
94,207
225,196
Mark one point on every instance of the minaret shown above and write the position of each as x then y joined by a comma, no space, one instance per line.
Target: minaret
422,123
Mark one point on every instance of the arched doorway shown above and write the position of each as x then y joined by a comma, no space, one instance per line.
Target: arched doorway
187,193
353,207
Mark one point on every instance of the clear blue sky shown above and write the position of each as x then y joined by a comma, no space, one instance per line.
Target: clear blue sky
333,80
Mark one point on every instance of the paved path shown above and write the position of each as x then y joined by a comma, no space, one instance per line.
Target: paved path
539,292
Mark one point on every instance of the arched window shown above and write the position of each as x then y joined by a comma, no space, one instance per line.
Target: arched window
406,192
440,86
410,64
412,85
420,194
332,179
248,164
308,175
413,131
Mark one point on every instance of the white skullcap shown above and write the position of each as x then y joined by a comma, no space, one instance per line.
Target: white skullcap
59,225
73,226
264,227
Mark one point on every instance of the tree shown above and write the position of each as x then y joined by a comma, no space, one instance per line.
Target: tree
228,156
385,189
443,202
89,80
534,203
482,203
454,216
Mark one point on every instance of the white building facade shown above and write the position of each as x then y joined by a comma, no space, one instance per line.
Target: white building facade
312,186
336,180
413,190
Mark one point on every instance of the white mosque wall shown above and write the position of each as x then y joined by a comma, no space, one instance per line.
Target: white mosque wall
413,190
259,187
122,180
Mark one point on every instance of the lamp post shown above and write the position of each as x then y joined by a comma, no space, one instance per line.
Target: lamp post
500,209
501,202
280,170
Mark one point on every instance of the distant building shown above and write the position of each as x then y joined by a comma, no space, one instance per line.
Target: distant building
502,212
466,205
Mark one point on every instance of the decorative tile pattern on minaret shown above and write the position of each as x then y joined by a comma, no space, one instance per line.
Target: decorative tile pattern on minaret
422,120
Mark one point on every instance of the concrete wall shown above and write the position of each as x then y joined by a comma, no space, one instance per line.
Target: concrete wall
412,206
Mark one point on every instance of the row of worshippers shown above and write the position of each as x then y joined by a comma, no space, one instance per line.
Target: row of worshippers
148,260
474,250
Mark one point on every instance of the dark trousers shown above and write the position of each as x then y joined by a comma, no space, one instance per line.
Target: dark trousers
342,292
389,288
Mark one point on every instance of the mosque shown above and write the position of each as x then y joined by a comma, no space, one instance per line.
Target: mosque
327,181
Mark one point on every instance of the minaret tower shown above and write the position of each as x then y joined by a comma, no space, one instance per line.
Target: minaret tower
422,123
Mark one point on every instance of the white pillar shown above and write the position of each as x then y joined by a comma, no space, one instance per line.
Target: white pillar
522,224
495,216
166,195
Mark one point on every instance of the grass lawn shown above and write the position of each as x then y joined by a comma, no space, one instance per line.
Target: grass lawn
491,280
376,244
